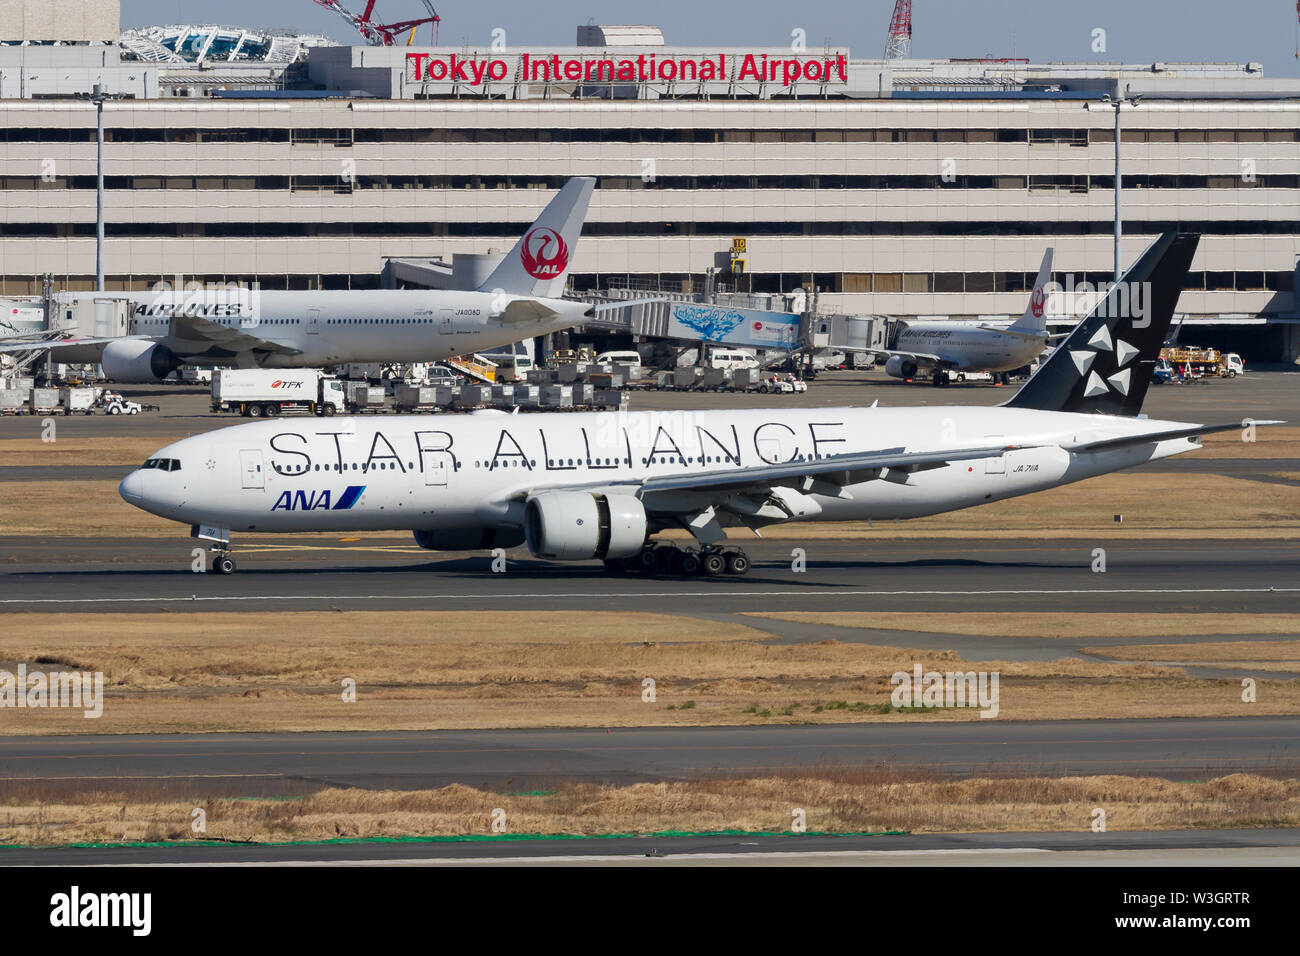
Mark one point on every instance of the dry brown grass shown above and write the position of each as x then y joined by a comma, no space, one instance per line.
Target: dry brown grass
1226,651
1272,441
1073,624
429,670
868,799
118,450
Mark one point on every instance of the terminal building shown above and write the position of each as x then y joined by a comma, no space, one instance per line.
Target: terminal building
909,188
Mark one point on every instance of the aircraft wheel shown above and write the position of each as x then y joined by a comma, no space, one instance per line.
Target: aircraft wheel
668,559
646,560
225,564
737,562
714,562
690,564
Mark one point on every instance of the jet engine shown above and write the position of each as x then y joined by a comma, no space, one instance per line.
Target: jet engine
137,361
468,539
900,367
579,525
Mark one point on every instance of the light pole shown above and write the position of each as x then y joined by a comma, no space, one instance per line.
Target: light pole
97,97
1117,102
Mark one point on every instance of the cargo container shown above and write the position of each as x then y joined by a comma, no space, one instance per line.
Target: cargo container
78,400
415,398
44,400
13,401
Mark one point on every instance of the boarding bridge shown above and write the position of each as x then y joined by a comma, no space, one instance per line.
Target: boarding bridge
740,320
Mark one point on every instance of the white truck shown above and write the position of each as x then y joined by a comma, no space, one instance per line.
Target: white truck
256,392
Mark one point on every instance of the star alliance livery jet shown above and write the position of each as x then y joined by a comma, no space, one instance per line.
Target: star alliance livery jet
583,486
246,329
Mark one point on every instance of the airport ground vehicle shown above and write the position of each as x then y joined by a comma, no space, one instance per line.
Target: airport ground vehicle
1200,361
731,359
620,358
115,404
255,392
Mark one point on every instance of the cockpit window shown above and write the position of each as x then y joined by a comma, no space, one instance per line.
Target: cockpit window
163,464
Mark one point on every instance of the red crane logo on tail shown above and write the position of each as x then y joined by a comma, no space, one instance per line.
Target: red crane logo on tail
1036,302
545,254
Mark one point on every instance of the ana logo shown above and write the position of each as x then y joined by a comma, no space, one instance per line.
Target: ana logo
318,501
545,254
1036,302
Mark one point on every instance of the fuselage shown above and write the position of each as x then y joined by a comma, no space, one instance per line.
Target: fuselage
459,471
328,328
970,348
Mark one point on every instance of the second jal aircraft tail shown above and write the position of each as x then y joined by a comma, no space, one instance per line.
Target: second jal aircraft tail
1035,317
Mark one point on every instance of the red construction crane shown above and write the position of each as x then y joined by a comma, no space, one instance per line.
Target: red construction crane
383,34
899,42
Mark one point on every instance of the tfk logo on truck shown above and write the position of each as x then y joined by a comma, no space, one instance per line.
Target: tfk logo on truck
281,383
318,500
545,253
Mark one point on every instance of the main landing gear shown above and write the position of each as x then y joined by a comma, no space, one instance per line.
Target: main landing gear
669,559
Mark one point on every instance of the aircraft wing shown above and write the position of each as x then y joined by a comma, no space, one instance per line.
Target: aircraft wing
205,332
39,344
768,494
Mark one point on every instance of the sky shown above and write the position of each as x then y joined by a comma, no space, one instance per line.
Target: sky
1136,31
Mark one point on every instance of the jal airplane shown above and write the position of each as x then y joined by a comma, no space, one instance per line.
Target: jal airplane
946,348
599,486
520,299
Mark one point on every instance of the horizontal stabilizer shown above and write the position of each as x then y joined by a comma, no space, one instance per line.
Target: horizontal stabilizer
1192,431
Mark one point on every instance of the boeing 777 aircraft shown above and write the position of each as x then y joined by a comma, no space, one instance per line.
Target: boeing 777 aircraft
520,299
578,487
948,347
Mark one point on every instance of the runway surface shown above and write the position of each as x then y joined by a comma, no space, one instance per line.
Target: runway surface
295,763
284,573
1253,847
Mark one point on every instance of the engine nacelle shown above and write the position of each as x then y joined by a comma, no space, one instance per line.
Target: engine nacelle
579,525
900,367
468,539
137,361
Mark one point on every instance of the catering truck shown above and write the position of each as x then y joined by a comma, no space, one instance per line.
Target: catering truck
256,392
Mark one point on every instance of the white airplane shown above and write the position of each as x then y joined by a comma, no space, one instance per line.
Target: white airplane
520,299
948,347
579,487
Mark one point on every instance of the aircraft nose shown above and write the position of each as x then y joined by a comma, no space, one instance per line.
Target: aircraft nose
132,488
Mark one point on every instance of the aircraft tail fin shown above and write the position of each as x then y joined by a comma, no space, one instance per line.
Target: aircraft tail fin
1035,317
1104,365
538,264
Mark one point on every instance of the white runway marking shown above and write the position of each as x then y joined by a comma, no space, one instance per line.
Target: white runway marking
606,595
